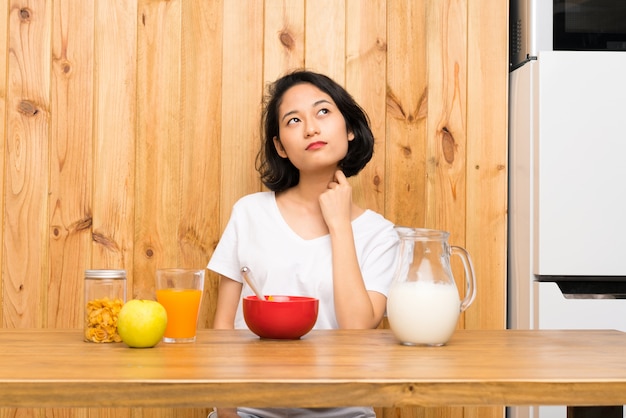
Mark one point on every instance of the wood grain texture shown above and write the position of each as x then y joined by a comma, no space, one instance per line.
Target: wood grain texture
129,129
240,114
406,114
160,145
115,136
486,218
283,38
366,61
201,143
71,160
324,368
4,45
25,266
326,25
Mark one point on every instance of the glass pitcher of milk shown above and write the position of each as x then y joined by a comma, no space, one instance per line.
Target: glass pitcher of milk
423,305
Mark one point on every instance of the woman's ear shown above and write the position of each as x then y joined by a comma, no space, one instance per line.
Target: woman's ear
350,136
279,147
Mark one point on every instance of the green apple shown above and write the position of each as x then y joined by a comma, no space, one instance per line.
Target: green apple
141,323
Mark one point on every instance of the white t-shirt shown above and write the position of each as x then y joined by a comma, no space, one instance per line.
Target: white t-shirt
283,263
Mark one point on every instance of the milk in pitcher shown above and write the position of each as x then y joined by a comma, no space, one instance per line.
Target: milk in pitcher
423,312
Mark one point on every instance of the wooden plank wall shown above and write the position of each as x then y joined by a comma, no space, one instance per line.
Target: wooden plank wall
130,127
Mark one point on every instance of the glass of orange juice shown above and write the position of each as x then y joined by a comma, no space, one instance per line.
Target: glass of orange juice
180,291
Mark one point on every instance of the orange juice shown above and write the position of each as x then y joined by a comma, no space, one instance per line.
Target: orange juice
182,307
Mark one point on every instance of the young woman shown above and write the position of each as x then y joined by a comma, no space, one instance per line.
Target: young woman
306,236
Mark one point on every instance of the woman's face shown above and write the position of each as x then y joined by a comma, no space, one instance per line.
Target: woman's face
312,130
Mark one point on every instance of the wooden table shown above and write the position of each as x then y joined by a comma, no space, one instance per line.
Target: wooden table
55,368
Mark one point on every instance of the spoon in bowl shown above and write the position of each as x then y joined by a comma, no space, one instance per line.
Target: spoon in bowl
247,276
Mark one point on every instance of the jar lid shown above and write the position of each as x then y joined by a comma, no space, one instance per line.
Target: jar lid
105,274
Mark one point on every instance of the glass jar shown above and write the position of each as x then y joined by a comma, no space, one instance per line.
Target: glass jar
105,294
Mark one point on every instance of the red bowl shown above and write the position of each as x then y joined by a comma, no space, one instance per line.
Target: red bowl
280,317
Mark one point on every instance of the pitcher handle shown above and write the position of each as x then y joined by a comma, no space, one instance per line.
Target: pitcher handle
470,278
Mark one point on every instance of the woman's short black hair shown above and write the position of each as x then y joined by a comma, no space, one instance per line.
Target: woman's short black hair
278,173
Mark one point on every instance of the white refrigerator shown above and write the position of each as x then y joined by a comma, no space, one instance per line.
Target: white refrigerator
567,191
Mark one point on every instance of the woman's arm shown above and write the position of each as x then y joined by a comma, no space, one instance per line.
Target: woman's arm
227,301
355,307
